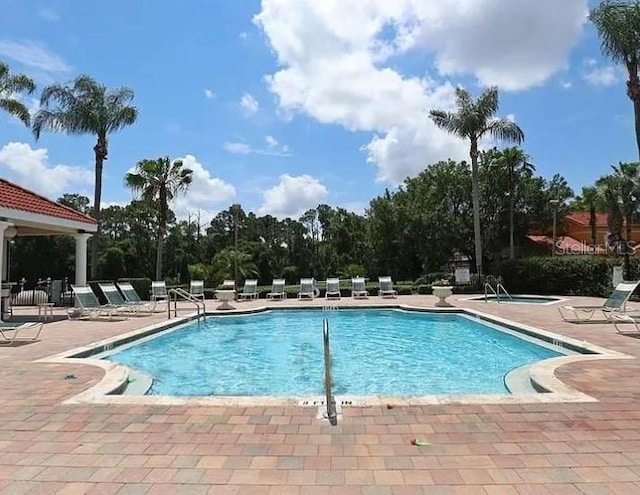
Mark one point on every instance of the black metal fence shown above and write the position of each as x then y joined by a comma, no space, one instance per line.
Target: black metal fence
44,290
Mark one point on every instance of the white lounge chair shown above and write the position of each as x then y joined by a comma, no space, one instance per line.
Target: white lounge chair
307,288
131,296
616,303
10,331
196,289
159,291
333,289
250,290
115,299
358,288
277,289
386,287
89,307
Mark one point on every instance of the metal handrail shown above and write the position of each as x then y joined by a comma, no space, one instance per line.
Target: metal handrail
500,286
183,294
331,403
488,286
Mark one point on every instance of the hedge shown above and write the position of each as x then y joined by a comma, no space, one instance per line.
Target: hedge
561,275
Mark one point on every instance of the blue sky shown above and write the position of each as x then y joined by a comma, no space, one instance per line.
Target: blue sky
283,104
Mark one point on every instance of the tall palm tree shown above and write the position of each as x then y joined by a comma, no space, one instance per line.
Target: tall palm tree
618,25
86,107
474,120
515,161
159,182
12,85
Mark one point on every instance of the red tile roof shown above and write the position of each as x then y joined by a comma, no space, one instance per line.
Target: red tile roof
567,245
584,217
15,197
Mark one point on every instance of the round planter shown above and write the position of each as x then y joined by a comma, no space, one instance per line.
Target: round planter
442,292
225,296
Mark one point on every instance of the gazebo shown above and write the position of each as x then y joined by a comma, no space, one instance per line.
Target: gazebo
25,213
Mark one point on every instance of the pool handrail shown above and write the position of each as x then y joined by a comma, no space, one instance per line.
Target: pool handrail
496,292
332,416
183,294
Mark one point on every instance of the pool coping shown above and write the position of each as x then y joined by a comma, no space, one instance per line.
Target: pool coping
542,373
557,299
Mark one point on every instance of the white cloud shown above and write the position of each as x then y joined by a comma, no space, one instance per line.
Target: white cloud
566,84
33,55
205,194
31,168
208,94
243,35
237,148
334,63
601,76
273,148
48,14
292,196
249,103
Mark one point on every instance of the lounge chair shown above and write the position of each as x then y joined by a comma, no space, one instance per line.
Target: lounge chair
333,289
277,289
196,289
358,288
386,287
250,290
131,296
307,288
89,307
7,339
616,303
115,299
159,291
617,319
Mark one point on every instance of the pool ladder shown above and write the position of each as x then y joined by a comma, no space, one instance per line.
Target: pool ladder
332,415
179,293
496,292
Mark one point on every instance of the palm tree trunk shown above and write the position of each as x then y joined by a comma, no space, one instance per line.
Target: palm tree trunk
100,150
592,223
475,193
512,250
633,92
159,257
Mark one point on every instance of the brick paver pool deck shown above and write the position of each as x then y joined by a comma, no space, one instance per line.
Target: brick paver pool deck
47,447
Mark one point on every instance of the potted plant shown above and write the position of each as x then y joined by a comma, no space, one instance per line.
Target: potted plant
442,289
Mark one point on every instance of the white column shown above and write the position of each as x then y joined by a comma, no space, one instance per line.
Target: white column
81,259
3,227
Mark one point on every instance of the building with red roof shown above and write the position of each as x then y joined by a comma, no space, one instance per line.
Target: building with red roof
26,213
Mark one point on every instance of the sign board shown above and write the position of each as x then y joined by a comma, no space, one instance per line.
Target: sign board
617,275
462,274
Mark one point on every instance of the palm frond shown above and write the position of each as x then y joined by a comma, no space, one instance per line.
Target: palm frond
487,104
16,108
448,121
505,130
18,83
617,24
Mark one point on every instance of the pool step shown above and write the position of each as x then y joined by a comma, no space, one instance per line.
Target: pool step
518,381
138,384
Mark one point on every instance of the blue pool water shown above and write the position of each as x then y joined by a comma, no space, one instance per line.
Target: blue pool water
375,352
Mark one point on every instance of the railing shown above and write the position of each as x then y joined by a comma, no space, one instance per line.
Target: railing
179,293
496,292
332,415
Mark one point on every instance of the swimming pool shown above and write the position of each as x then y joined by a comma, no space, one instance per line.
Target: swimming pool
375,352
516,299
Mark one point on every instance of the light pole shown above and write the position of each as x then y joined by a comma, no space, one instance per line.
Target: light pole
554,203
236,210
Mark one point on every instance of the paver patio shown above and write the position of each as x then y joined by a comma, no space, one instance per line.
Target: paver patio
559,448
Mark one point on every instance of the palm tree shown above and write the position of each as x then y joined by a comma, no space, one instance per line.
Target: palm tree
158,182
86,107
10,86
590,198
618,25
473,120
515,161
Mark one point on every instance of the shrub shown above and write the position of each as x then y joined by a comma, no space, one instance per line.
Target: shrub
563,275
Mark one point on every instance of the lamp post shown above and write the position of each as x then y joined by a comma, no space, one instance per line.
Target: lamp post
236,210
554,203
